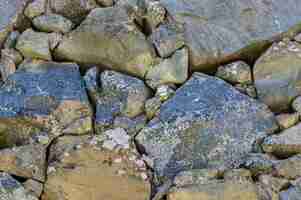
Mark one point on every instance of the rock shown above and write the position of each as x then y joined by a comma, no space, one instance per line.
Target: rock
10,59
11,17
105,3
258,164
292,193
35,8
232,30
196,176
92,84
107,37
26,161
276,75
237,72
10,189
52,23
119,137
238,175
248,89
286,121
11,40
155,14
75,10
216,191
167,39
286,144
54,40
121,95
34,45
289,168
43,97
205,109
172,70
296,105
131,125
276,184
76,173
152,107
297,38
164,92
35,188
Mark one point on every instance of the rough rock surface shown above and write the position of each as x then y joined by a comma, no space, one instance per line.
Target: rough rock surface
82,170
206,113
52,23
276,75
108,37
120,95
43,96
231,29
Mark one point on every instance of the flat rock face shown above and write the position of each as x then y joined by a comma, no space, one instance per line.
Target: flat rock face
43,96
108,37
11,11
206,124
217,30
81,170
277,75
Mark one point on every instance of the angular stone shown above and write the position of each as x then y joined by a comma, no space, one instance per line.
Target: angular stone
276,184
173,70
131,125
108,38
285,144
289,168
259,163
276,75
238,175
75,10
11,40
52,23
92,83
54,40
231,30
155,14
167,39
82,170
43,97
248,89
34,45
286,121
218,190
208,114
34,187
237,72
11,189
121,95
152,107
293,193
105,3
296,105
11,16
35,8
25,161
165,92
10,58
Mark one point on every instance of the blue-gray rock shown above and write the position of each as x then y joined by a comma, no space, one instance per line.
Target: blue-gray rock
206,124
43,96
218,30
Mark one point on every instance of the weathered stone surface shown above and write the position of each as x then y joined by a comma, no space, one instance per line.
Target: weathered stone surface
105,3
237,72
167,39
131,125
231,29
173,70
11,40
274,183
208,114
75,10
10,189
54,40
80,170
217,190
92,83
43,96
35,8
26,161
293,193
11,16
52,23
248,89
34,45
286,121
165,92
34,187
285,144
108,37
10,58
258,163
296,105
155,14
289,168
152,107
276,75
121,95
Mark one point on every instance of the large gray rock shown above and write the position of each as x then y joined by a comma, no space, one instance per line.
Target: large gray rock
11,16
277,75
219,30
108,37
206,124
43,97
